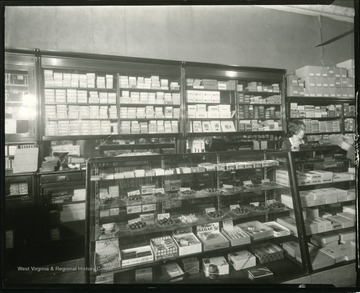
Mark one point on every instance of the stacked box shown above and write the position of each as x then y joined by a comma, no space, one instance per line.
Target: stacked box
241,260
191,265
187,243
219,262
267,252
164,247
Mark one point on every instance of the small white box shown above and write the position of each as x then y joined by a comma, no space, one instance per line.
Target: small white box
241,260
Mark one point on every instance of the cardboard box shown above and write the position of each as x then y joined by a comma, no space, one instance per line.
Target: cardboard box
242,259
191,265
187,243
320,260
236,236
267,252
257,230
172,271
164,247
222,266
107,254
211,237
143,275
278,230
334,253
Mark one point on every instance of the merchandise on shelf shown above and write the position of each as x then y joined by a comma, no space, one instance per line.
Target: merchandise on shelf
260,87
211,84
144,275
278,230
216,266
211,237
262,274
242,259
138,255
108,255
191,265
172,271
267,252
317,81
256,230
312,111
252,99
259,125
236,235
164,247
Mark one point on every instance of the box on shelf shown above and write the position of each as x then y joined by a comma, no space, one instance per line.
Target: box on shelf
164,247
138,255
108,254
172,271
241,260
211,237
278,230
267,252
348,250
144,275
191,265
261,274
257,230
288,222
187,243
236,235
216,265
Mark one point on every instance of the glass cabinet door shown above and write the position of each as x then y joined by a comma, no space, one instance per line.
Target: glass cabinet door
20,98
195,218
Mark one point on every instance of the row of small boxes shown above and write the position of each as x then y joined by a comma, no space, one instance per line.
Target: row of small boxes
349,124
210,97
251,99
211,84
59,79
212,126
80,112
258,125
153,126
149,112
321,138
84,127
256,86
153,82
78,96
316,126
203,111
19,188
349,110
251,112
312,111
149,98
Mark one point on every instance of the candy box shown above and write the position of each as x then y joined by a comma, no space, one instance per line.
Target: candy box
163,247
348,250
107,254
320,260
256,230
187,243
191,265
241,260
326,238
211,237
345,223
267,252
261,274
172,271
216,265
236,236
137,255
144,275
334,253
278,230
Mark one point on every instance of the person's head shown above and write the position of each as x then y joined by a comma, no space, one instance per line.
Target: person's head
297,128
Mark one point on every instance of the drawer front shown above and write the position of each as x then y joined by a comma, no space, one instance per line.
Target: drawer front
63,177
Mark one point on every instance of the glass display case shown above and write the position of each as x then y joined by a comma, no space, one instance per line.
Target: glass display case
20,98
327,188
215,217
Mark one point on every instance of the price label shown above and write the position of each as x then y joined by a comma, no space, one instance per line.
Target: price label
270,201
133,221
212,227
148,207
228,224
265,180
163,216
228,186
255,203
209,210
234,206
133,209
147,217
133,193
248,183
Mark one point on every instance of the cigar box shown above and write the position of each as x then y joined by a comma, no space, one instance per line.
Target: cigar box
187,243
236,236
326,238
144,275
261,274
211,237
334,252
320,260
191,265
241,260
288,222
256,230
267,252
345,223
348,250
137,255
172,271
164,247
278,230
347,236
220,263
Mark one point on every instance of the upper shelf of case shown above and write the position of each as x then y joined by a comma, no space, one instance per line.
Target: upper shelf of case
319,100
259,93
90,136
80,88
150,90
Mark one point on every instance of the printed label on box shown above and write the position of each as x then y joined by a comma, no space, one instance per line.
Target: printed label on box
234,206
209,210
212,227
228,224
132,193
133,209
148,207
163,216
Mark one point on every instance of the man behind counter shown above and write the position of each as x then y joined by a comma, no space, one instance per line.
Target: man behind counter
297,133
